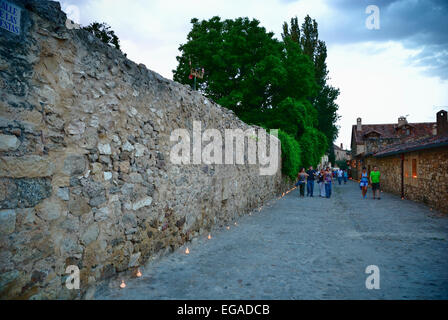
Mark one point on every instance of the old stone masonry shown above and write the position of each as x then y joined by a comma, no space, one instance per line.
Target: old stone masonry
85,176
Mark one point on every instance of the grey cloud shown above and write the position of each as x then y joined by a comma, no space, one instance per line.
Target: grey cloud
416,24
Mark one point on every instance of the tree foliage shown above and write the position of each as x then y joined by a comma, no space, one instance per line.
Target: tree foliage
271,83
238,56
104,32
290,154
324,100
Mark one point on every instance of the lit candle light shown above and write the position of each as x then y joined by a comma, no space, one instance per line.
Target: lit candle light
228,228
122,285
236,224
187,251
139,274
209,236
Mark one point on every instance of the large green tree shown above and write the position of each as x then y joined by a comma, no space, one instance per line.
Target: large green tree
325,100
238,56
267,82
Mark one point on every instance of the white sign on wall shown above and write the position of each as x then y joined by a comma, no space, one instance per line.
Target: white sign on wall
10,17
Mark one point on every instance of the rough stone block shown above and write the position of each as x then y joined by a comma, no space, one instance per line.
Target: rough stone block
64,194
145,202
26,167
50,209
90,235
74,165
7,221
104,148
8,142
23,193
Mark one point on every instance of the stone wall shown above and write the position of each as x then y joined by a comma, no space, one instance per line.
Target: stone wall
428,184
85,173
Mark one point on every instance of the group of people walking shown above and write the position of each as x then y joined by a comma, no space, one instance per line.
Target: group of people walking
324,179
374,180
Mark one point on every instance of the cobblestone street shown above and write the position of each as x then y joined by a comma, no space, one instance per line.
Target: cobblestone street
309,248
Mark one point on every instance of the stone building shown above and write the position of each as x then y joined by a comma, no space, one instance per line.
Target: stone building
412,157
341,154
368,139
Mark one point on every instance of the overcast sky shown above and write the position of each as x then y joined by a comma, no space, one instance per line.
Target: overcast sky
399,69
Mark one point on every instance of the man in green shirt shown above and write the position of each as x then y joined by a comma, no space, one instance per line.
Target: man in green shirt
375,181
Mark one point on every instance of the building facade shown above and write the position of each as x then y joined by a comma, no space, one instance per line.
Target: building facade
341,154
412,158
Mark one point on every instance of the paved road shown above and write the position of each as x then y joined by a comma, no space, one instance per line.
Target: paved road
309,248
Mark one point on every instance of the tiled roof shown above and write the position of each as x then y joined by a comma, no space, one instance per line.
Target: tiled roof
420,144
388,131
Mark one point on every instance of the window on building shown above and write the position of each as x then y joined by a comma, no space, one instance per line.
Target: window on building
414,168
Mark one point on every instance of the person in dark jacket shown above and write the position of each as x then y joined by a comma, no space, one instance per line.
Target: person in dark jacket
310,181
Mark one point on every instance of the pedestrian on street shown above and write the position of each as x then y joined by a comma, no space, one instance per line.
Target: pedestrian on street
375,181
302,180
310,181
328,181
340,176
345,176
364,182
321,182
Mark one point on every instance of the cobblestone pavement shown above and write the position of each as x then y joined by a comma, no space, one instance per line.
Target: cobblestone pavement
308,248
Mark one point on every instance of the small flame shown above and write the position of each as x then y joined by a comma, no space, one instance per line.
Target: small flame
236,224
228,228
187,251
209,236
139,274
122,285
